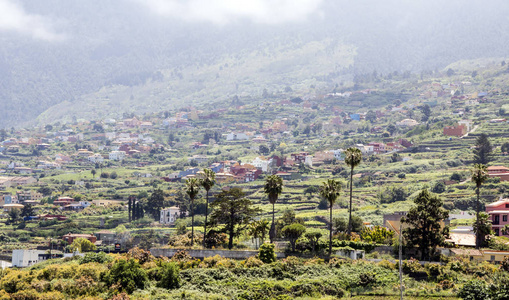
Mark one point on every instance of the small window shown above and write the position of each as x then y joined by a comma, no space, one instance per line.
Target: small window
504,218
507,205
493,258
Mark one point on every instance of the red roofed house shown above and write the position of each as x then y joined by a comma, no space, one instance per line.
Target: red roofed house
499,212
457,130
70,237
499,171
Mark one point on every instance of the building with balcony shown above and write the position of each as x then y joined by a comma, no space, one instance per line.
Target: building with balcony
498,212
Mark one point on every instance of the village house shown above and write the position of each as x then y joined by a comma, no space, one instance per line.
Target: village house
84,153
168,216
237,137
23,258
6,182
222,178
200,159
321,157
8,199
70,237
499,212
499,171
28,196
117,155
457,130
63,201
302,158
365,150
43,164
96,158
265,165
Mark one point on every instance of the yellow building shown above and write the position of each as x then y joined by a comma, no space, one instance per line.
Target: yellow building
222,178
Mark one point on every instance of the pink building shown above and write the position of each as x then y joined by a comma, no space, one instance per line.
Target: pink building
499,212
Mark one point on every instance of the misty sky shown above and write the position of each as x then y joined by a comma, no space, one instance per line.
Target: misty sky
14,17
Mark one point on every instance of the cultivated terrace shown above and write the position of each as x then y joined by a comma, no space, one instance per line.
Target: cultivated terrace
126,181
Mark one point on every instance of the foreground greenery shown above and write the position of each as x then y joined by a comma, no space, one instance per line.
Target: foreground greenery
139,275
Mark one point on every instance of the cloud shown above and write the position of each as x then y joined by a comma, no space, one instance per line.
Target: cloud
14,18
226,11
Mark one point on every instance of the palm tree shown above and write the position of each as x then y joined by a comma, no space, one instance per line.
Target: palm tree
207,182
192,189
479,175
273,188
353,157
330,191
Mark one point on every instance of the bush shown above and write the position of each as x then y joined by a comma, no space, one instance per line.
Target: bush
474,290
253,262
439,187
267,253
100,257
170,276
126,275
401,175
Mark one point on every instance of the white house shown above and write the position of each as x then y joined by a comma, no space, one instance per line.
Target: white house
237,137
117,155
168,216
365,149
308,160
338,154
96,158
467,124
198,158
263,164
25,258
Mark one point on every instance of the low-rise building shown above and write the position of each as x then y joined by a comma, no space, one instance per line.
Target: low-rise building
70,237
457,130
96,158
200,159
22,258
499,215
117,155
169,215
499,171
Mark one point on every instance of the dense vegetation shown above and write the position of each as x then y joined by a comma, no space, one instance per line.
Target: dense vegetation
138,275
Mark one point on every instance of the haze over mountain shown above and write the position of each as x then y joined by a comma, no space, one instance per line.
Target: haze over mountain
71,59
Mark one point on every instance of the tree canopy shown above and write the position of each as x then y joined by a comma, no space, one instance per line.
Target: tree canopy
425,227
482,150
234,211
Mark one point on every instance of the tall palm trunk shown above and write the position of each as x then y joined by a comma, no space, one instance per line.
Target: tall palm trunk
272,233
477,235
192,222
206,214
330,232
350,216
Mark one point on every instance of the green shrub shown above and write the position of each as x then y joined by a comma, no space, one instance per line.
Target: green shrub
267,253
475,289
252,262
100,257
127,275
170,276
